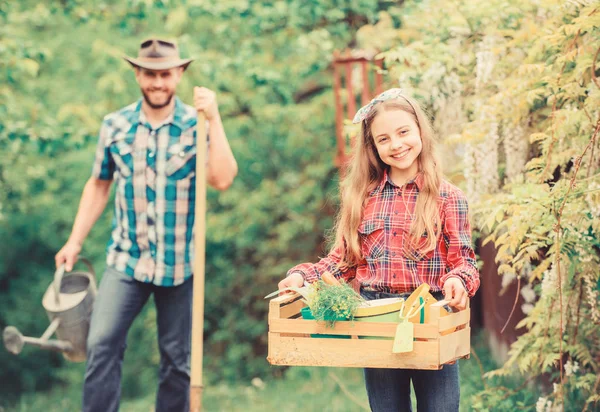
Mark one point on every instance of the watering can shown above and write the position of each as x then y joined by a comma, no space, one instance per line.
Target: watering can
68,302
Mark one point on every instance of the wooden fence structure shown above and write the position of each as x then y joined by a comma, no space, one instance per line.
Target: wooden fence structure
346,78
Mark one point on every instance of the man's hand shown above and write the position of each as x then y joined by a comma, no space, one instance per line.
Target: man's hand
68,255
205,100
455,292
294,280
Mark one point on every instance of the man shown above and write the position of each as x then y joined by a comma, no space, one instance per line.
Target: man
149,149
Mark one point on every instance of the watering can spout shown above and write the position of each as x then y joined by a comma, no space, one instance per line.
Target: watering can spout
68,302
14,340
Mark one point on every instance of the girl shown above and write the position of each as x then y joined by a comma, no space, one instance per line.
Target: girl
400,225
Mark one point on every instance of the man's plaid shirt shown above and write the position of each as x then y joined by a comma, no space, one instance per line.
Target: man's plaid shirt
154,172
384,229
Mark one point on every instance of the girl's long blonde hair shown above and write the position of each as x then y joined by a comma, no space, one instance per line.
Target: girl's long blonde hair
366,171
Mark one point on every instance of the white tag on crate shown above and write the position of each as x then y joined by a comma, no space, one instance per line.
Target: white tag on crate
405,333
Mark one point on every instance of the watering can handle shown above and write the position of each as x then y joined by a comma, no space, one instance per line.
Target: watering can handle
58,275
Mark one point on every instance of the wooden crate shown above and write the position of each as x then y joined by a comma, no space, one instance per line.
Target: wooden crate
442,340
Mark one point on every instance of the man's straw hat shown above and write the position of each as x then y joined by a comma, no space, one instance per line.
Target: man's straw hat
158,54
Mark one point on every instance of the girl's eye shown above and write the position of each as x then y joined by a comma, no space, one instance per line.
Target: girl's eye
403,132
383,139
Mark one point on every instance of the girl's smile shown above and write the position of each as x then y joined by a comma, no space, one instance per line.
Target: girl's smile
401,154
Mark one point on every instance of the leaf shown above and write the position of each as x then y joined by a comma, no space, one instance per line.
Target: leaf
537,273
176,20
30,66
504,268
488,239
537,137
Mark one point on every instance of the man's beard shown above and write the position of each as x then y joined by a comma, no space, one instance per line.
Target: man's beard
157,106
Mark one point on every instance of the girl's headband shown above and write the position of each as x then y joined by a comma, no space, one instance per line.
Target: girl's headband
367,110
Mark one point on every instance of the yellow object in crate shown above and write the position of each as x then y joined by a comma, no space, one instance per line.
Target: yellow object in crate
414,301
379,310
386,310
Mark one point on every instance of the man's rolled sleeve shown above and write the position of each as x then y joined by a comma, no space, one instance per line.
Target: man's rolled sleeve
104,165
456,228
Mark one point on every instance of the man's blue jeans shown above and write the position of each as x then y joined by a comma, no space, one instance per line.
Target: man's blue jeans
389,389
120,299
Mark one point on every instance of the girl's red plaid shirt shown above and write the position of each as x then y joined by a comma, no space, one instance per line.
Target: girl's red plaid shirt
385,227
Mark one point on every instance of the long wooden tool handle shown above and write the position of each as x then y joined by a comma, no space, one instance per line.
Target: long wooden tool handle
199,268
329,279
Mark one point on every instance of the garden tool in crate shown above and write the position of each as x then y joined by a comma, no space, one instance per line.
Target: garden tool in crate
68,302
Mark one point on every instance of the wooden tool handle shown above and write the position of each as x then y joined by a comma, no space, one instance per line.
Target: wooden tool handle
196,386
330,279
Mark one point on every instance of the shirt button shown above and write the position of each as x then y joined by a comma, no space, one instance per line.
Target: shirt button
153,253
181,154
151,154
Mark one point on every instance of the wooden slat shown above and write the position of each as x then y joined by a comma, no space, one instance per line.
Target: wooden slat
366,94
286,298
378,329
274,310
455,345
354,56
339,116
354,353
276,304
291,309
351,103
455,319
273,344
378,77
435,312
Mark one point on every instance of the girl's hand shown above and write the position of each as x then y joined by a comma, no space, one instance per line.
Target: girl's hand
293,280
455,292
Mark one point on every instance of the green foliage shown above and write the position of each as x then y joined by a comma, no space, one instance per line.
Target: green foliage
518,75
61,71
513,90
330,303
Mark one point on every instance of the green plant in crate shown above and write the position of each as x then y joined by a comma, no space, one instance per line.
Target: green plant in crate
332,302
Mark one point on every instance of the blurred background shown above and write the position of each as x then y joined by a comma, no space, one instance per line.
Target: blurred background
513,90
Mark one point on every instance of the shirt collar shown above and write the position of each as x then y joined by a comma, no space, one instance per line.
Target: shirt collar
418,180
175,118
